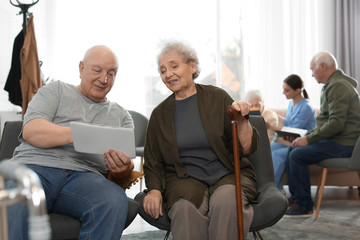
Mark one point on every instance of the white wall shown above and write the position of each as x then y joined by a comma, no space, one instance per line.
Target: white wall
11,24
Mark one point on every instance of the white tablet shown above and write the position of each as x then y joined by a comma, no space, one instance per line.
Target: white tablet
96,139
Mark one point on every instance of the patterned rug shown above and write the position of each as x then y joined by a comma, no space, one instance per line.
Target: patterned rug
338,219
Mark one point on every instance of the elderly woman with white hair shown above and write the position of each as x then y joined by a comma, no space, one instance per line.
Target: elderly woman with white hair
188,153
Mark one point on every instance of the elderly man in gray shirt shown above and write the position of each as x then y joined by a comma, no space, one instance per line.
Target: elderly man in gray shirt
74,182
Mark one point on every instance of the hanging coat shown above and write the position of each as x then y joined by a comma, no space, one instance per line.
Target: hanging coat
31,79
12,85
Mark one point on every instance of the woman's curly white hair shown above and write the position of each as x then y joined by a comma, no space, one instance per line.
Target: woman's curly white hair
187,53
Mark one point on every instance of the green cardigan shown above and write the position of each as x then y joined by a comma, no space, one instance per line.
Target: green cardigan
339,118
163,168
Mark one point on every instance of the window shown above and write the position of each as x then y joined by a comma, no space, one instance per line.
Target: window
242,45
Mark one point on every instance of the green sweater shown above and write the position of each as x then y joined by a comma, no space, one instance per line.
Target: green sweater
163,168
339,118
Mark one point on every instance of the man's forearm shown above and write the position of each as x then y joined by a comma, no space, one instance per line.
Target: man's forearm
44,134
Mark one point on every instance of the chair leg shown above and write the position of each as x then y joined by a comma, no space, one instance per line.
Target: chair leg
257,235
167,235
142,171
318,188
323,180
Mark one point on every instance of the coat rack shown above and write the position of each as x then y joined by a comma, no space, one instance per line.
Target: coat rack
24,10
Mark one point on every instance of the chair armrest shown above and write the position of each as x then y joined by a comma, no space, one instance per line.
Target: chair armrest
163,222
271,207
133,210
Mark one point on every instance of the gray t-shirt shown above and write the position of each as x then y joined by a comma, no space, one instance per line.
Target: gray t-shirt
61,103
194,149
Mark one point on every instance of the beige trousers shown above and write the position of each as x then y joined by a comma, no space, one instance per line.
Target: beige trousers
216,219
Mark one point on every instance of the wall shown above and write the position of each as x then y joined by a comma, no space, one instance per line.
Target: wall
280,37
10,25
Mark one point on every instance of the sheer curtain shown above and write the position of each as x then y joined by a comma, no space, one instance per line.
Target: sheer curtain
242,45
347,35
281,36
134,30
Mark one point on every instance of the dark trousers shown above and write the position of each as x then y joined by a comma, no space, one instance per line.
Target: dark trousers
299,160
99,204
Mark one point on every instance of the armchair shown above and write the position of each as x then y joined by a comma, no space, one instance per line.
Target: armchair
140,122
349,164
272,204
63,226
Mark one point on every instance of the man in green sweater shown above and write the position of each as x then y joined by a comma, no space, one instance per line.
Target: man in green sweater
338,128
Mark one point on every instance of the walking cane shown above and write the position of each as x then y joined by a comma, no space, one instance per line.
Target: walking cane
234,114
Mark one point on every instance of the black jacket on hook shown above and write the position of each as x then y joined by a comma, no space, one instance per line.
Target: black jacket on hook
12,85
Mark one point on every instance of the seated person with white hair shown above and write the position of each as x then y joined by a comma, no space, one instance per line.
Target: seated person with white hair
74,182
337,130
254,97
